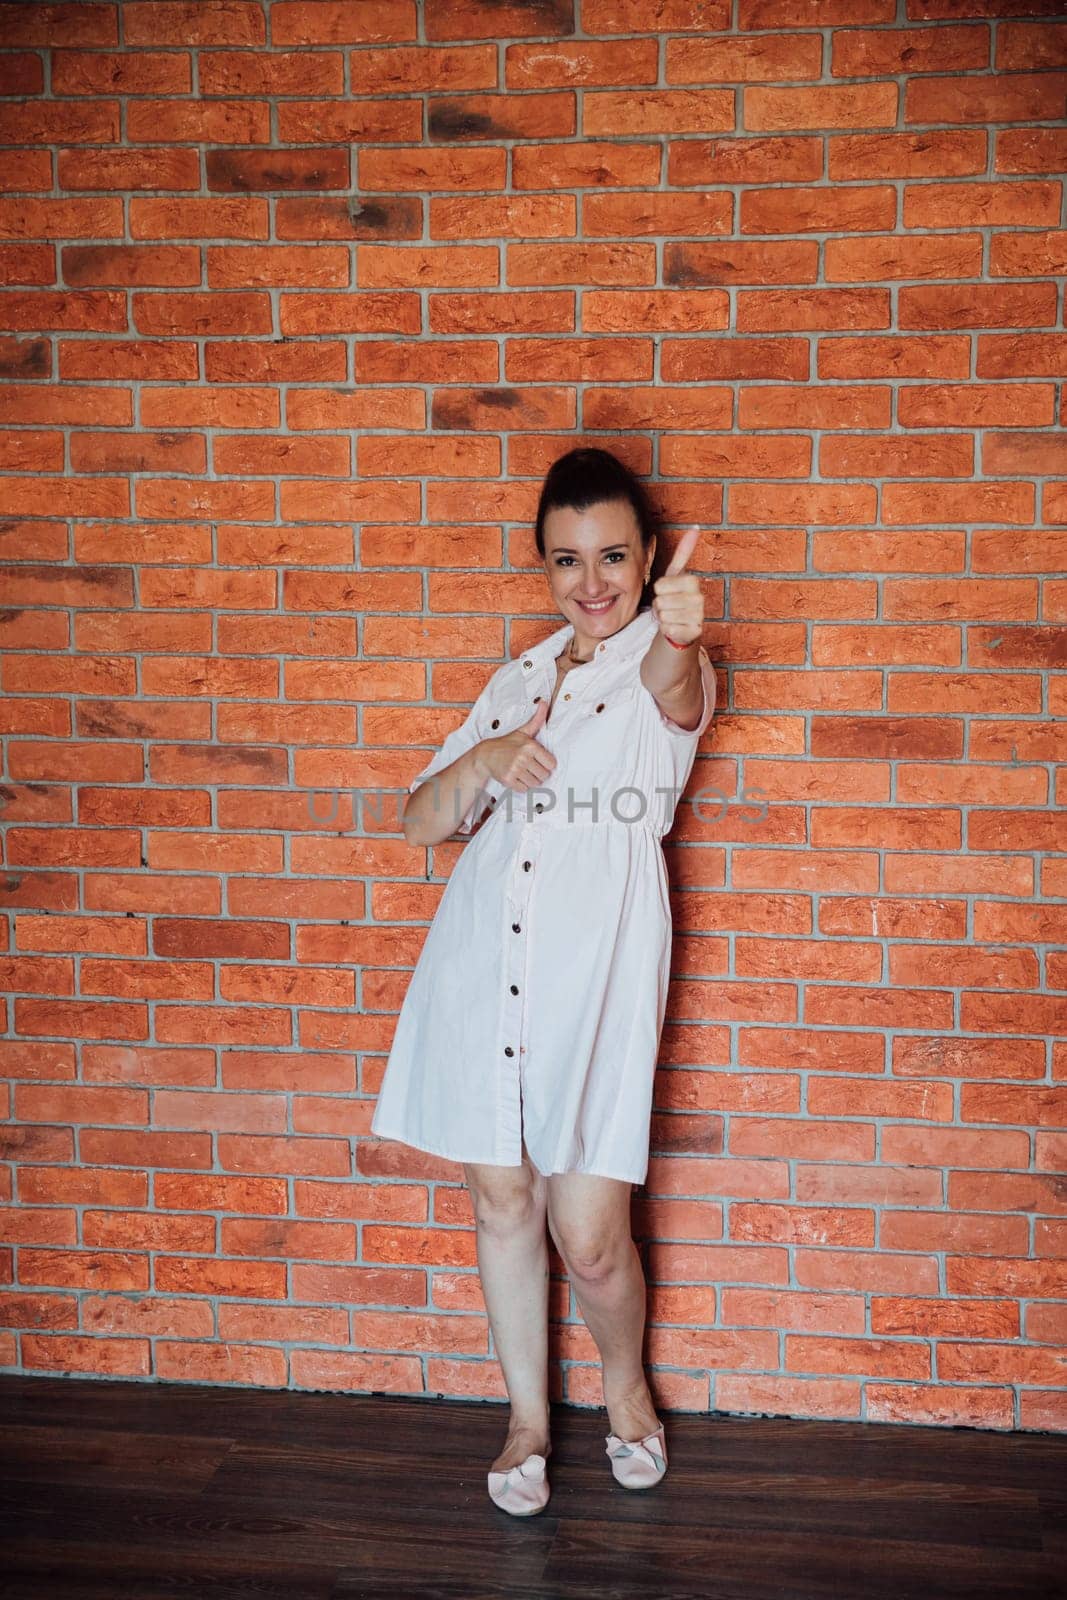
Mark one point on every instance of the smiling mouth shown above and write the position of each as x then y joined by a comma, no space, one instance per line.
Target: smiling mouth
599,608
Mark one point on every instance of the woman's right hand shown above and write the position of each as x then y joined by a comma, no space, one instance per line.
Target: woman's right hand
516,759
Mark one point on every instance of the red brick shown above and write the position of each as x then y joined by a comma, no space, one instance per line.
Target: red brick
565,64
589,163
765,310
83,1186
274,72
831,106
613,113
1027,255
62,122
1054,502
498,216
83,1269
144,167
66,1353
891,52
927,502
702,359
981,205
941,154
293,1241
579,360
883,456
976,405
892,356
306,1157
916,256
777,261
1017,97
214,122
505,116
626,215
257,1280
149,1315
203,1362
812,13
20,1310
822,406
1021,45
132,1230
207,1192
143,72
655,311
58,24
1037,455
80,1105
951,10
774,58
766,456
632,16
297,1324
487,19
660,408
392,266
818,210
745,160
975,305
769,505
60,219
1026,355
1036,150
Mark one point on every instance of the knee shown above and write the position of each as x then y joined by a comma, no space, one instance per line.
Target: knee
592,1257
503,1203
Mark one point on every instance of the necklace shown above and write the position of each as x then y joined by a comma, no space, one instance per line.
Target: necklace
578,661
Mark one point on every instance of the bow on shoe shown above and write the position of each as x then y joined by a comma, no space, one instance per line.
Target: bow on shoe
533,1469
619,1449
520,1487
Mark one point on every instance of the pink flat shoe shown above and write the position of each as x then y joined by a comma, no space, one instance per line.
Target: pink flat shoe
522,1491
638,1463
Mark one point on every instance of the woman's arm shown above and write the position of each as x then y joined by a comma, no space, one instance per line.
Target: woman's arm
437,806
671,669
673,679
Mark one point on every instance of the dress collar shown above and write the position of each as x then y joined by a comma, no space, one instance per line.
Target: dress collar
623,642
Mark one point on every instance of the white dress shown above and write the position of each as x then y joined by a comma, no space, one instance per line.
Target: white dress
536,1006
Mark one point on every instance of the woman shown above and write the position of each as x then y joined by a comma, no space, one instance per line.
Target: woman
527,1042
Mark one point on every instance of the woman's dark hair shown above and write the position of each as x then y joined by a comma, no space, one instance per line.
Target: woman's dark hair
587,477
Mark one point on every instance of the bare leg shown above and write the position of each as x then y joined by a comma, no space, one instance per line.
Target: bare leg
512,1245
590,1222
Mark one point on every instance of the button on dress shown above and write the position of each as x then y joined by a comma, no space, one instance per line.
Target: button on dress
535,1010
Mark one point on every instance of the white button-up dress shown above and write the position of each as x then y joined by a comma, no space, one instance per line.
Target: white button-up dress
535,1009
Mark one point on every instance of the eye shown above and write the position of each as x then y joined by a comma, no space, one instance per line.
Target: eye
614,556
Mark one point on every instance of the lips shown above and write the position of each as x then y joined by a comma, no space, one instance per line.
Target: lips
600,608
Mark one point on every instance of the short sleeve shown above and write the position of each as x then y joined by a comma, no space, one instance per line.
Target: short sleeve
707,678
474,728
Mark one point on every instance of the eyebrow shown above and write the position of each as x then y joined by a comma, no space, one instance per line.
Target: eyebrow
564,550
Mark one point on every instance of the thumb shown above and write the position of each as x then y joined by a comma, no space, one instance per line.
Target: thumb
534,724
684,550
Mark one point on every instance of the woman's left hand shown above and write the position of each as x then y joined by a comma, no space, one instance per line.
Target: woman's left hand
678,603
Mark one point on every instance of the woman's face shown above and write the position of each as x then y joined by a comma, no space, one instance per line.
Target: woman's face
596,566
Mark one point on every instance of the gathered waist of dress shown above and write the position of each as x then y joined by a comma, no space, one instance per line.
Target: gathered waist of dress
518,818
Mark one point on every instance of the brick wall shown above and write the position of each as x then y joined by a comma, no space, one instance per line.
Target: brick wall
301,301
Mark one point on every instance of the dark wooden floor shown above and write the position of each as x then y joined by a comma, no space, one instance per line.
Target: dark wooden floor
182,1492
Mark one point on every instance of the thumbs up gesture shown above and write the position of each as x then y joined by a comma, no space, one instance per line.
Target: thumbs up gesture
517,759
678,603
